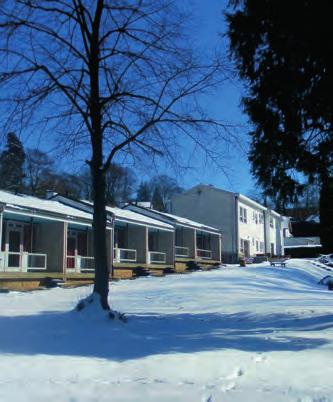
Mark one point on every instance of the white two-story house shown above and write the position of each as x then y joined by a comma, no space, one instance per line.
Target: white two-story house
249,228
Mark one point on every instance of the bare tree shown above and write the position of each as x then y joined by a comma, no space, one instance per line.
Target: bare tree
37,165
118,75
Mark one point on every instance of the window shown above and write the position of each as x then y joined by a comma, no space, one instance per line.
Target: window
153,240
243,214
244,247
253,241
255,217
180,236
261,246
203,241
121,235
271,222
261,218
257,245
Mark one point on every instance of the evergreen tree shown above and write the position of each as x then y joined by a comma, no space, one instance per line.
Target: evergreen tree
12,165
289,71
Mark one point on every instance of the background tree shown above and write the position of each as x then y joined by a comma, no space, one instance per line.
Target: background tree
120,182
12,164
157,199
166,187
144,192
158,191
289,74
123,79
38,168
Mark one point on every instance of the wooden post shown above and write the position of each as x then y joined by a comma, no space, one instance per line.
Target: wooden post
147,245
195,244
111,230
174,248
220,248
64,264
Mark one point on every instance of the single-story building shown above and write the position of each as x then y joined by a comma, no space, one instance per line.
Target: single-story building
140,243
302,247
195,243
38,235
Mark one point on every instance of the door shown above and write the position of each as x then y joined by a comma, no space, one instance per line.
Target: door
272,249
246,248
14,247
71,248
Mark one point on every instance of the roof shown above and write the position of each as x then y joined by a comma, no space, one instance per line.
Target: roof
118,213
26,203
125,214
294,242
239,195
177,219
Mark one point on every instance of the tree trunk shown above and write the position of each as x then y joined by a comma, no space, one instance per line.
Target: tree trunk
326,214
101,283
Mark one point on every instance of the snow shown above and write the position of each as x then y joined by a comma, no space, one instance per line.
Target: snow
125,214
184,221
233,334
19,202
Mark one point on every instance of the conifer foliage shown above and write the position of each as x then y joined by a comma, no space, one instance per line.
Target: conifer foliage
12,160
281,51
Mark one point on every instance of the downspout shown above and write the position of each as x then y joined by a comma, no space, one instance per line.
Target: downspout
265,213
236,227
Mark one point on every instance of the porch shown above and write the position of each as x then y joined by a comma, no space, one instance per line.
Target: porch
160,258
28,244
196,249
79,250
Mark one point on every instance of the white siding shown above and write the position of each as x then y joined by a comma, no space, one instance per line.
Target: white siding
253,230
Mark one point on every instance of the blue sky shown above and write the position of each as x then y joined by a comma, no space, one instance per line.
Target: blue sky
208,28
224,105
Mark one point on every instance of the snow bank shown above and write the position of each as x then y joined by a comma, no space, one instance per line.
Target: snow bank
234,334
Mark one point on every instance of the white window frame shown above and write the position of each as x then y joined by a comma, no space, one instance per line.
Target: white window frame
243,214
271,222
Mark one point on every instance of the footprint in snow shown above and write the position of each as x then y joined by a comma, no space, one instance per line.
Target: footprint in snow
238,372
228,387
259,358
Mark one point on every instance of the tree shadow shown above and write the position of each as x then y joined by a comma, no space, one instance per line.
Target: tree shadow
75,334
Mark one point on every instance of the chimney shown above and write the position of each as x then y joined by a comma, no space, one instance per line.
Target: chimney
50,194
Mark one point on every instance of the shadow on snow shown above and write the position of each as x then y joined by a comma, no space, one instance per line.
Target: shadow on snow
75,334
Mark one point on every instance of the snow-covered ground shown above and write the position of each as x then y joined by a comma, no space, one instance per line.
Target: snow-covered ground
234,334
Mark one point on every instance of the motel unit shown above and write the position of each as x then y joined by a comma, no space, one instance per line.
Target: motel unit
140,243
195,246
44,238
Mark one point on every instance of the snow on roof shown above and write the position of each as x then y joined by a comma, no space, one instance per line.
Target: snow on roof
313,218
125,214
176,219
135,216
185,221
22,201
